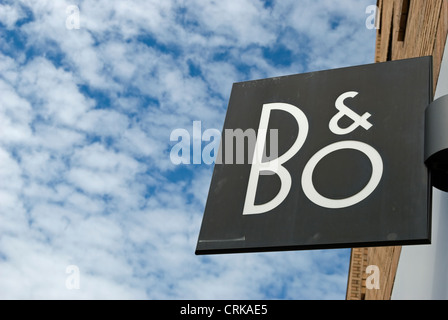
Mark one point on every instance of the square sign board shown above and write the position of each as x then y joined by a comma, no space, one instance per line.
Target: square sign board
330,159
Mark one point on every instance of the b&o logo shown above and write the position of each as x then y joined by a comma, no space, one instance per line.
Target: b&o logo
276,165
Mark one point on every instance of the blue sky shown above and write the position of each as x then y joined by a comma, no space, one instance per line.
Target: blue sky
85,122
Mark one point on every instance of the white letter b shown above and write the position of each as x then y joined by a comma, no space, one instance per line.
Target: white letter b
274,165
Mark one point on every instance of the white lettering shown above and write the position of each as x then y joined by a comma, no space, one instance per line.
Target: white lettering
307,175
373,280
73,280
345,111
274,165
373,20
72,21
212,147
183,146
197,310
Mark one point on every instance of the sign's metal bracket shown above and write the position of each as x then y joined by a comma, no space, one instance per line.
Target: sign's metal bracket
436,142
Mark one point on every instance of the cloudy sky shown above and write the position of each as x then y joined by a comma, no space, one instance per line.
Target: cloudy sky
86,114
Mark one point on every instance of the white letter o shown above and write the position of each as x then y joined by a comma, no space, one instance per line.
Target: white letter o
317,198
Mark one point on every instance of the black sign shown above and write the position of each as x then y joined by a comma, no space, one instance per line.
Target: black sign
331,159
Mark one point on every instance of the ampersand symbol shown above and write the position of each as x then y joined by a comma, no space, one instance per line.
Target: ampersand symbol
345,111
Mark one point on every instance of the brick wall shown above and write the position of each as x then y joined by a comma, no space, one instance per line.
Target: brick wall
356,286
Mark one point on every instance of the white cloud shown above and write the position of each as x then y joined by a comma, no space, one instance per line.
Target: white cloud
55,94
9,15
11,181
239,22
334,31
15,115
96,170
103,122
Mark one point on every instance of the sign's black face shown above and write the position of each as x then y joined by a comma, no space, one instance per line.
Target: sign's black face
349,169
